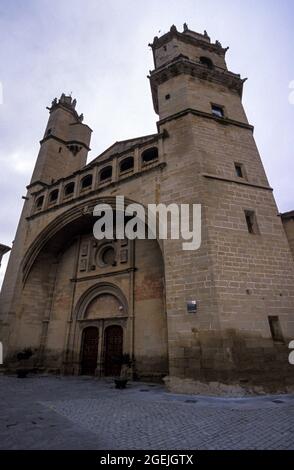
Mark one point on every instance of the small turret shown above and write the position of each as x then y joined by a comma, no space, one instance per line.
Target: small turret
65,144
190,72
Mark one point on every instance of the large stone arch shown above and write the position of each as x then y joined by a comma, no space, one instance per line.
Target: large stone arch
60,327
70,221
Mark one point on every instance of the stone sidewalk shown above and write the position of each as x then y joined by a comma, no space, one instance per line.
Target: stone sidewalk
86,413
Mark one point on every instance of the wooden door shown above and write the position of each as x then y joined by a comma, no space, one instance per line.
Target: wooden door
90,350
113,350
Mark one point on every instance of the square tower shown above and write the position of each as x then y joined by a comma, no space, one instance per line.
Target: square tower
242,277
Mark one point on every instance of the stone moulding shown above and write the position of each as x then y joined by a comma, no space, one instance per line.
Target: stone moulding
183,65
95,291
102,275
60,222
188,39
229,180
223,121
65,142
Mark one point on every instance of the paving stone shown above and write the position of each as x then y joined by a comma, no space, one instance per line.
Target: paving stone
79,413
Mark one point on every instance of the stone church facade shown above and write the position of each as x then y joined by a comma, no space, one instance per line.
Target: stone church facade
78,302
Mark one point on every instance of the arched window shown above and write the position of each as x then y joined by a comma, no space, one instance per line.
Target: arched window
126,164
53,196
150,155
39,203
69,189
86,182
206,61
106,173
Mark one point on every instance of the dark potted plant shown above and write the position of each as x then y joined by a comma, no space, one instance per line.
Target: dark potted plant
23,356
125,363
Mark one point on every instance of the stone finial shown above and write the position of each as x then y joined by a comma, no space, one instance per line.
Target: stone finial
185,26
54,102
81,117
67,101
173,29
205,34
217,43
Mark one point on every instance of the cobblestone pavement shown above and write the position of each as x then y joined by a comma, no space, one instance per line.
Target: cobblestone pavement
86,413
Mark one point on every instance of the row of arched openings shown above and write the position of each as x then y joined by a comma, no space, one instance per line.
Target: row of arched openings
127,164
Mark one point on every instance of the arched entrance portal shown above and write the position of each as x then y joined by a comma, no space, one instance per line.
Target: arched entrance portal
113,348
89,350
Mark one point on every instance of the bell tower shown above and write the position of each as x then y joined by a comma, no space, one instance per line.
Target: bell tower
63,151
212,160
65,144
191,73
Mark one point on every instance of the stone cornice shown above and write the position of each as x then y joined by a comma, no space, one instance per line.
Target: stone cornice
65,142
235,181
102,275
183,65
224,121
36,183
203,43
100,159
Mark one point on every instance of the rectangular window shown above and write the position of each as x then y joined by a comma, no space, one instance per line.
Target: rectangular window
217,110
275,328
239,170
192,306
251,222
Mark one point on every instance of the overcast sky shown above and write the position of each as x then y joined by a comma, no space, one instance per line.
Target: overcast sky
98,50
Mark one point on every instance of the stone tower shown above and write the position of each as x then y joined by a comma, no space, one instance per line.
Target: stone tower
221,313
65,144
242,276
63,150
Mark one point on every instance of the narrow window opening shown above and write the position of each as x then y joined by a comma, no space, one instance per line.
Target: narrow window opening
150,155
39,202
207,62
217,111
251,222
239,170
126,164
69,189
275,328
86,182
106,173
167,97
60,150
53,196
